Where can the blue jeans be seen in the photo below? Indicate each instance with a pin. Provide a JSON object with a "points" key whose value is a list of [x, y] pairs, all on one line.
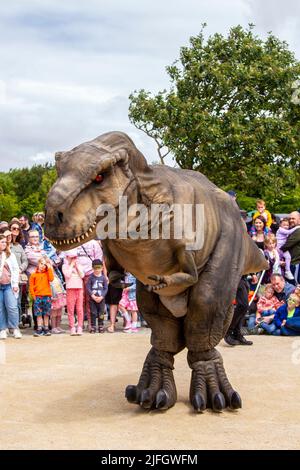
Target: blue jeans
{"points": [[9, 312], [271, 328], [252, 318]]}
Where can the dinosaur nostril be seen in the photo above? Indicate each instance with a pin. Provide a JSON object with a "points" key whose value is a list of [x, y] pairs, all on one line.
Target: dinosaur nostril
{"points": [[60, 217]]}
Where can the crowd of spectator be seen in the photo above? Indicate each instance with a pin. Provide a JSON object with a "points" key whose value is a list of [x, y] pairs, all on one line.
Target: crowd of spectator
{"points": [[270, 300], [39, 284]]}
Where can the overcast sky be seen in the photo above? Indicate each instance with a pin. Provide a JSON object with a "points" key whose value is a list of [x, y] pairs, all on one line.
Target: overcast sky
{"points": [[68, 66]]}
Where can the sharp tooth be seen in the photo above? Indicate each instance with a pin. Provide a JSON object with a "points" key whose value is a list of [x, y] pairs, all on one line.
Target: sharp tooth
{"points": [[68, 242], [78, 239], [90, 230], [86, 234], [83, 237]]}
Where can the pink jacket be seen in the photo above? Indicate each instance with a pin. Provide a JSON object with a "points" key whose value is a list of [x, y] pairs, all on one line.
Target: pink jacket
{"points": [[94, 250], [72, 275]]}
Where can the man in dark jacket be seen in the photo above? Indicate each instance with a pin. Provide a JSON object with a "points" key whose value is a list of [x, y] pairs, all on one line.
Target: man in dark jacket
{"points": [[234, 335]]}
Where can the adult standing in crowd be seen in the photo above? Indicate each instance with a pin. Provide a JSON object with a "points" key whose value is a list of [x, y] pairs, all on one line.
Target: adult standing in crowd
{"points": [[26, 227], [34, 251], [37, 224], [3, 224], [14, 240], [9, 289], [258, 231], [234, 335], [293, 244]]}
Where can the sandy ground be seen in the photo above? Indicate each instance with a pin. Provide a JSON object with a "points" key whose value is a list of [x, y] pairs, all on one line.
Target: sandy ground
{"points": [[64, 392]]}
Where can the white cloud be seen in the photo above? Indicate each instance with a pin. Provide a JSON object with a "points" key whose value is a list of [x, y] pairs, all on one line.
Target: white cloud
{"points": [[42, 157]]}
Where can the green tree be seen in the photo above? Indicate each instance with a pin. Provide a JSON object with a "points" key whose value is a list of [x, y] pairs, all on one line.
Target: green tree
{"points": [[31, 204], [48, 180], [9, 207], [6, 184], [229, 112], [28, 180], [24, 190]]}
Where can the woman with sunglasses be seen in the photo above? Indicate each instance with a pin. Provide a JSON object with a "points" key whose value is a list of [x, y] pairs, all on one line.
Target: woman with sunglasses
{"points": [[9, 289], [15, 240]]}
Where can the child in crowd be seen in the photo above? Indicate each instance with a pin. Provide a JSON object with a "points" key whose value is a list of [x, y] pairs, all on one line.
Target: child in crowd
{"points": [[74, 275], [282, 235], [272, 255], [58, 302], [97, 288], [128, 305], [266, 308], [288, 315], [40, 290], [262, 211]]}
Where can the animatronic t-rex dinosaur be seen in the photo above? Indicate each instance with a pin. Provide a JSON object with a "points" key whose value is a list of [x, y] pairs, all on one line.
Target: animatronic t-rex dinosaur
{"points": [[185, 295]]}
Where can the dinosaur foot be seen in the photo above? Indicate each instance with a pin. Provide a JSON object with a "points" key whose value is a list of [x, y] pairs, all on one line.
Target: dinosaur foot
{"points": [[156, 387], [210, 387]]}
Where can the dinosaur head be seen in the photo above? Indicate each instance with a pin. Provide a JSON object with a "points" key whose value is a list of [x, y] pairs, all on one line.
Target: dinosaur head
{"points": [[93, 173]]}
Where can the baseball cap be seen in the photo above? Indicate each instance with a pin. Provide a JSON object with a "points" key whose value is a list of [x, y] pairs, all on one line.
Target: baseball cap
{"points": [[97, 263]]}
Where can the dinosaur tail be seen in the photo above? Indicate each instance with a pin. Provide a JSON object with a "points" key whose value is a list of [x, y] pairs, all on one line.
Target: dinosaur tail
{"points": [[254, 257]]}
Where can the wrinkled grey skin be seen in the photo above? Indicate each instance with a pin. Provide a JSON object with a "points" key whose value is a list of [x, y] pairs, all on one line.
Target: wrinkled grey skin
{"points": [[185, 296]]}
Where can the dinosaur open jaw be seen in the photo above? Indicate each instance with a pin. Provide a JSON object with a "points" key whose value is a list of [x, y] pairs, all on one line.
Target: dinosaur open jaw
{"points": [[77, 240]]}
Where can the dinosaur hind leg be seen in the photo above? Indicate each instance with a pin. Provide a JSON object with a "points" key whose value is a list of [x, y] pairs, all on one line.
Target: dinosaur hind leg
{"points": [[207, 320], [156, 387]]}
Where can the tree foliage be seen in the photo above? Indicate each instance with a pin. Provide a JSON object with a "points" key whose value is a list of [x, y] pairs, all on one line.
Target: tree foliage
{"points": [[229, 112], [24, 190]]}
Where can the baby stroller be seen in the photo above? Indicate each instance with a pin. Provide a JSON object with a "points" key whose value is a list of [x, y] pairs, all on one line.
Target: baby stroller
{"points": [[26, 320]]}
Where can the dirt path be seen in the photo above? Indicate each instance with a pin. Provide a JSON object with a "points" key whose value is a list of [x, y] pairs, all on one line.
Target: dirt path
{"points": [[65, 392]]}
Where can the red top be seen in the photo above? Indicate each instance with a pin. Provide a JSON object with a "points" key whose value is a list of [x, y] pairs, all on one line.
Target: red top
{"points": [[39, 283]]}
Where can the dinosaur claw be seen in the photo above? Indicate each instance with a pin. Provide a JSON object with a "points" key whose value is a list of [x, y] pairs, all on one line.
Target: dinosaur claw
{"points": [[146, 399], [161, 400], [218, 402], [235, 401], [198, 403], [131, 393]]}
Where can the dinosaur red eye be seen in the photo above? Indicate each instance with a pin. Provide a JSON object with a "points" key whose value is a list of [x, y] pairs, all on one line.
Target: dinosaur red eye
{"points": [[99, 178]]}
